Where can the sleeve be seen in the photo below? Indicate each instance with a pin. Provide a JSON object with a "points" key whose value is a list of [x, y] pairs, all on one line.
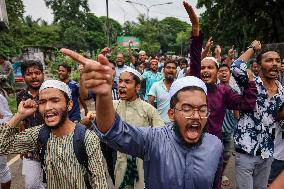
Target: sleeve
{"points": [[126, 138], [195, 49], [4, 110], [238, 69], [156, 120], [244, 102], [12, 142], [145, 75], [153, 90], [218, 175], [95, 161]]}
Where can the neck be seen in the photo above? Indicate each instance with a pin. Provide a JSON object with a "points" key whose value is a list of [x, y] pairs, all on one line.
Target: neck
{"points": [[65, 129], [34, 92], [65, 80], [268, 83], [132, 99], [168, 81], [225, 83], [154, 71]]}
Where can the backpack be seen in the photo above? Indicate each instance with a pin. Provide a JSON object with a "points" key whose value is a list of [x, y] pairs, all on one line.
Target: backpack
{"points": [[78, 145]]}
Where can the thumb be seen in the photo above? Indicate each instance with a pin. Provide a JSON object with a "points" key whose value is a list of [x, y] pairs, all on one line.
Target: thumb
{"points": [[103, 60]]}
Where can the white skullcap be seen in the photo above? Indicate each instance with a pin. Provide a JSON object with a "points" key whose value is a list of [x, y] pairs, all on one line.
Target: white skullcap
{"points": [[57, 85], [135, 72], [213, 59], [187, 82], [141, 52]]}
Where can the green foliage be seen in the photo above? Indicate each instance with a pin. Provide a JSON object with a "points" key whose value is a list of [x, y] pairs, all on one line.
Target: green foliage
{"points": [[240, 22], [12, 104]]}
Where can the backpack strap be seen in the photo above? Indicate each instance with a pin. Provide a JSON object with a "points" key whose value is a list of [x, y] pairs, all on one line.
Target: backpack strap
{"points": [[42, 140], [80, 150]]}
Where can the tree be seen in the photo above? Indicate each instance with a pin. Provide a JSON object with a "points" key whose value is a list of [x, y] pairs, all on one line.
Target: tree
{"points": [[115, 29], [240, 22]]}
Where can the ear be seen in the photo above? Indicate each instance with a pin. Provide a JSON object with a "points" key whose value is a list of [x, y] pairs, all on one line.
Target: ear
{"points": [[70, 105], [138, 87], [171, 114]]}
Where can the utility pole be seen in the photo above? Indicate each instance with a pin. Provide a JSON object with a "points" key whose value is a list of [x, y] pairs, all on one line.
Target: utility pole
{"points": [[107, 25]]}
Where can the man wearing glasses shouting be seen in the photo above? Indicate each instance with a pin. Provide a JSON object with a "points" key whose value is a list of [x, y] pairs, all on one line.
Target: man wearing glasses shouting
{"points": [[179, 155]]}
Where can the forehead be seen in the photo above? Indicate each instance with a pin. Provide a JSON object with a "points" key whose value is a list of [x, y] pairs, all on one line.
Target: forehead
{"points": [[119, 56], [271, 54], [224, 69], [208, 63], [62, 68], [33, 69], [171, 65], [51, 93], [126, 76], [193, 97], [154, 62]]}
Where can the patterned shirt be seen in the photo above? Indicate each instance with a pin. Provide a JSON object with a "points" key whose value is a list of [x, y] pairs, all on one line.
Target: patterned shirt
{"points": [[61, 165], [35, 119], [254, 130]]}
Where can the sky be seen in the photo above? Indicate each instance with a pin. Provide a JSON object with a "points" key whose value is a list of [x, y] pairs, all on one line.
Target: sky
{"points": [[118, 9]]}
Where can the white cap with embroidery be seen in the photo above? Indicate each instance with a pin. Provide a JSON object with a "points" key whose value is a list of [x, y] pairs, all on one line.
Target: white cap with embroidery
{"points": [[57, 85], [187, 82], [135, 72]]}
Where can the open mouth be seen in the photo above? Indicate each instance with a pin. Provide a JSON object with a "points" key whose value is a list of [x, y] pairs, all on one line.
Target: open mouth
{"points": [[35, 83], [50, 117], [122, 93], [274, 71], [193, 131], [206, 76]]}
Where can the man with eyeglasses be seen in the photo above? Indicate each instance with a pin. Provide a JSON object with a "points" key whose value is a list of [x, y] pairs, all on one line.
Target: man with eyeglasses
{"points": [[179, 155]]}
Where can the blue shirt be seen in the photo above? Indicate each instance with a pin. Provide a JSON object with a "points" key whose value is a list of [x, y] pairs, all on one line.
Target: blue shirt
{"points": [[162, 96], [168, 163], [150, 78], [74, 114], [254, 129]]}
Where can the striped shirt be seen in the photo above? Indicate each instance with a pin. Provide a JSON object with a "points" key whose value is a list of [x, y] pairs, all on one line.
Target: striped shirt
{"points": [[61, 165]]}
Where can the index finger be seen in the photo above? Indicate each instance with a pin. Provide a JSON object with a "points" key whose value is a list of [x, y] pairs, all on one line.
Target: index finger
{"points": [[233, 46], [75, 56]]}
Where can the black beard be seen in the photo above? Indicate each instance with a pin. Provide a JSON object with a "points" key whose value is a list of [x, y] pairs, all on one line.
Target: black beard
{"points": [[120, 66], [62, 120], [199, 142], [34, 88]]}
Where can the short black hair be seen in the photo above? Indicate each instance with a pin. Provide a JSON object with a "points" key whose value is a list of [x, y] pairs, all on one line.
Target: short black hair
{"points": [[174, 99], [66, 66], [183, 61], [31, 63], [170, 61], [263, 51], [223, 65]]}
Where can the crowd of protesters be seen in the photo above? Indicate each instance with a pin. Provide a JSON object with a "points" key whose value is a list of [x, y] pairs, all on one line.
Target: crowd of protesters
{"points": [[159, 122]]}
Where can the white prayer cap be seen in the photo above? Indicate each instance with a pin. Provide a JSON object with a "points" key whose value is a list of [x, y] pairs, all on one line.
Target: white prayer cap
{"points": [[213, 59], [135, 72], [187, 82], [57, 85], [141, 52]]}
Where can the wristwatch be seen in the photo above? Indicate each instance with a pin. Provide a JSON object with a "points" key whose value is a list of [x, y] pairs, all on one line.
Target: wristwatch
{"points": [[253, 48]]}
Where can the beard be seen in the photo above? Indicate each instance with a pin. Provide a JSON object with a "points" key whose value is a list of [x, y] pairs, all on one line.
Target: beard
{"points": [[188, 145], [120, 65], [63, 117]]}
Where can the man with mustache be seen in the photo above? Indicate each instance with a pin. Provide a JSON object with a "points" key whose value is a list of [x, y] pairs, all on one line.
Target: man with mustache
{"points": [[179, 155], [151, 76], [120, 66], [61, 165], [220, 97], [160, 90], [254, 135], [33, 75]]}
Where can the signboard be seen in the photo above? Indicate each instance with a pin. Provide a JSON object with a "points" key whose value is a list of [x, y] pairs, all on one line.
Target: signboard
{"points": [[3, 14], [123, 41]]}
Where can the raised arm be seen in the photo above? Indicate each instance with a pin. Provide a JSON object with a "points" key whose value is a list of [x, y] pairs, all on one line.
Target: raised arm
{"points": [[207, 48], [195, 42], [13, 142], [98, 77]]}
